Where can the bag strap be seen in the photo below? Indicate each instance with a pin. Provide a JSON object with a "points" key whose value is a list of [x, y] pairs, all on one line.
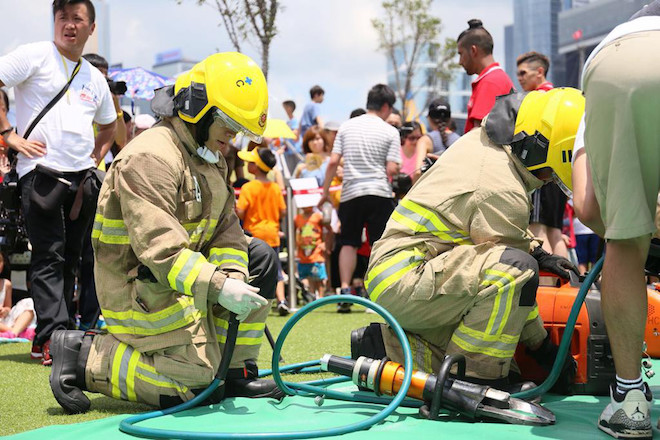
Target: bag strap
{"points": [[52, 101]]}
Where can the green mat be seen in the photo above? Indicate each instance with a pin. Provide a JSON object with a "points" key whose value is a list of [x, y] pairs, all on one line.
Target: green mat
{"points": [[576, 418]]}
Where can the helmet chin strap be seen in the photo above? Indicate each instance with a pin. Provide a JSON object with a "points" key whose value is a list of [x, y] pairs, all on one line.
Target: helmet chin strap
{"points": [[202, 135]]}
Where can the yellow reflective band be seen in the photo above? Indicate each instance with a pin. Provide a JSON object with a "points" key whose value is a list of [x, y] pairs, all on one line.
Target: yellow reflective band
{"points": [[130, 377], [488, 351], [417, 213], [116, 366], [192, 276], [243, 326], [110, 231], [503, 338], [162, 381], [534, 313], [229, 256], [505, 284], [171, 318], [241, 341], [385, 273], [249, 333], [185, 270]]}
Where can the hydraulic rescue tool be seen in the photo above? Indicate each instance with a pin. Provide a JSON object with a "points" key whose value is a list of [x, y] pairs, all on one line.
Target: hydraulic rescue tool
{"points": [[590, 345], [383, 376]]}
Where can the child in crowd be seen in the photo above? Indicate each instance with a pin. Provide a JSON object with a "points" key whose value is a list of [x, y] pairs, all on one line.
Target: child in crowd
{"points": [[311, 250], [260, 206], [18, 321]]}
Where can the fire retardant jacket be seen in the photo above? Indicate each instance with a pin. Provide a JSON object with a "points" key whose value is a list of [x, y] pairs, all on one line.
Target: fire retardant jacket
{"points": [[165, 223]]}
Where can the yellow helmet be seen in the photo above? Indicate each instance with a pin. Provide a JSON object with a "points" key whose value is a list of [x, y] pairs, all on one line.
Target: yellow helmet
{"points": [[544, 133], [230, 85]]}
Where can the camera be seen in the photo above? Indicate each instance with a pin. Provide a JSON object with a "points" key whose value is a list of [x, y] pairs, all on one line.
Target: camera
{"points": [[401, 184], [13, 235], [117, 87], [426, 164]]}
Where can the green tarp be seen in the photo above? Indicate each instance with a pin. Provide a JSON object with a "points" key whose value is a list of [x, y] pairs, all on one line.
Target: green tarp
{"points": [[576, 419]]}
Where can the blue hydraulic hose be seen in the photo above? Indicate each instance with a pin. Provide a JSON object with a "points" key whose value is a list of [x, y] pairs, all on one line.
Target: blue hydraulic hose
{"points": [[565, 344], [128, 425]]}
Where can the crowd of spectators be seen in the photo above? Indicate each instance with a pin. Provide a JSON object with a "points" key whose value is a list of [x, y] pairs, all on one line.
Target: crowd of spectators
{"points": [[356, 165]]}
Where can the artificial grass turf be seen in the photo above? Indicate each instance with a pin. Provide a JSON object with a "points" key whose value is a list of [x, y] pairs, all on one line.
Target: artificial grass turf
{"points": [[29, 404]]}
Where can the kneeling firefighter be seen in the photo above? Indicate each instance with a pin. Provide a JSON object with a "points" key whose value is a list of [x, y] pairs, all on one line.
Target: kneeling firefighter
{"points": [[456, 265], [171, 259]]}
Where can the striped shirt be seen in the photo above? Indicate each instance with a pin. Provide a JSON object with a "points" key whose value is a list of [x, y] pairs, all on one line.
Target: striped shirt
{"points": [[367, 143]]}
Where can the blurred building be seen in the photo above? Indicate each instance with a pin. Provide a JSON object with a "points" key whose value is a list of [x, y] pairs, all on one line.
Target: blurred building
{"points": [[172, 63], [534, 29], [581, 29], [565, 30]]}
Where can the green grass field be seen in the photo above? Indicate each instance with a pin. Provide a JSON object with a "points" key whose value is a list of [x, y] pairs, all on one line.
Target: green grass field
{"points": [[29, 404]]}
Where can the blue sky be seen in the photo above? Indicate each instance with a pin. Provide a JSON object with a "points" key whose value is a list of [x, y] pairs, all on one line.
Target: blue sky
{"points": [[330, 43]]}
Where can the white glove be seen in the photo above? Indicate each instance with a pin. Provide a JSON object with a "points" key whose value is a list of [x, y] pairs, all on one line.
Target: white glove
{"points": [[240, 298]]}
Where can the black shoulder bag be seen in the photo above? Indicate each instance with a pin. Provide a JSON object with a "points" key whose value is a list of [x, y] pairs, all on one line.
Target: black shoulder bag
{"points": [[49, 186]]}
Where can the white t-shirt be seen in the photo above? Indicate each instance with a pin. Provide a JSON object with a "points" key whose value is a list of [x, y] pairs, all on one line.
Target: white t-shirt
{"points": [[367, 143], [37, 71]]}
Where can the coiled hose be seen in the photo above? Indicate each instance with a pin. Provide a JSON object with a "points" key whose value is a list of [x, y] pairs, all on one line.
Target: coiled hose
{"points": [[128, 425]]}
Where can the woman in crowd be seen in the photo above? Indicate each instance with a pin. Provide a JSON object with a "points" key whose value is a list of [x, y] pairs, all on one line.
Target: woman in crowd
{"points": [[317, 155], [411, 132]]}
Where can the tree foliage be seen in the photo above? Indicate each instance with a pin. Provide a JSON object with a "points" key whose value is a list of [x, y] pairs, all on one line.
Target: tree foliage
{"points": [[406, 33], [247, 21]]}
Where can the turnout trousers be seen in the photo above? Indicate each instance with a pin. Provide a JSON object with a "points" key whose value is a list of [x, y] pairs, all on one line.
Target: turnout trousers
{"points": [[476, 300], [179, 369]]}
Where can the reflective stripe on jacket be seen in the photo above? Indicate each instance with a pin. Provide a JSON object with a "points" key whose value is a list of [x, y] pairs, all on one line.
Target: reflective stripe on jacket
{"points": [[165, 222]]}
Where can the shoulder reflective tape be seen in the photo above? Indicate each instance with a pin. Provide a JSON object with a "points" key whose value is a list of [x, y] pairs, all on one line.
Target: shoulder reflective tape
{"points": [[390, 270], [417, 218], [109, 231], [228, 256], [132, 322], [185, 270]]}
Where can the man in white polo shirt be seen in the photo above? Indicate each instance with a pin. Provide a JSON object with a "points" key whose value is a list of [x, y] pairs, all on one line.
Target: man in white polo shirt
{"points": [[371, 149], [64, 142]]}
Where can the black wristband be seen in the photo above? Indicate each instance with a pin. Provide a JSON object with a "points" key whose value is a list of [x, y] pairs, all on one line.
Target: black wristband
{"points": [[4, 132]]}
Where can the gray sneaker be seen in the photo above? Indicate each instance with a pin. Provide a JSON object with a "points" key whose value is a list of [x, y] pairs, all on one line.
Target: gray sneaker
{"points": [[628, 415]]}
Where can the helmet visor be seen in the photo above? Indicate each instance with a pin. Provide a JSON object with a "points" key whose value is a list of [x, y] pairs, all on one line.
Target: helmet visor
{"points": [[565, 189], [234, 126]]}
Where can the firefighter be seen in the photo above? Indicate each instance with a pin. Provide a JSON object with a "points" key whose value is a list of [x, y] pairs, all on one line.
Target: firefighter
{"points": [[456, 265], [171, 259]]}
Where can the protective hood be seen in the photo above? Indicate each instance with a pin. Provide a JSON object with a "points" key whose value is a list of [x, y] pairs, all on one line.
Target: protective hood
{"points": [[501, 122], [163, 102]]}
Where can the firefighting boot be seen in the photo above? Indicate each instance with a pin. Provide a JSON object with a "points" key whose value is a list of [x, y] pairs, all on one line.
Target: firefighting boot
{"points": [[243, 382], [70, 349], [368, 341]]}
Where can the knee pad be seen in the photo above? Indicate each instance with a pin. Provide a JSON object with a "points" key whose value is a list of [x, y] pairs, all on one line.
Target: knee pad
{"points": [[523, 261]]}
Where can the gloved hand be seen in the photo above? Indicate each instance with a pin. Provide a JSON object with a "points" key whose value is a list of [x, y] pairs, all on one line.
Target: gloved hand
{"points": [[240, 298], [545, 356], [554, 263]]}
